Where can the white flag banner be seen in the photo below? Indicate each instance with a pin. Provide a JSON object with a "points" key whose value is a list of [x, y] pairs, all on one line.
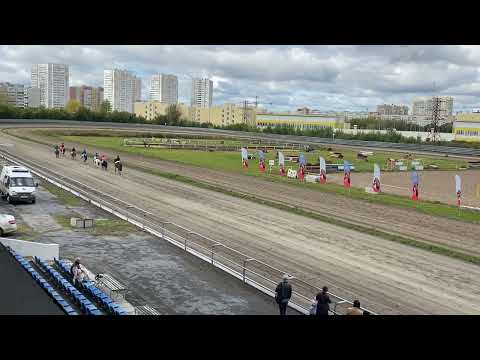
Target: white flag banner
{"points": [[376, 172], [323, 165], [281, 159], [244, 154], [458, 184]]}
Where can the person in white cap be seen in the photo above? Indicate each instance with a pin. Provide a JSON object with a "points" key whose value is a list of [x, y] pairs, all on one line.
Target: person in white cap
{"points": [[283, 294]]}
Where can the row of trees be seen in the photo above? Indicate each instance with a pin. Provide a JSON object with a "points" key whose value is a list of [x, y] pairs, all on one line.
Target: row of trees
{"points": [[173, 117]]}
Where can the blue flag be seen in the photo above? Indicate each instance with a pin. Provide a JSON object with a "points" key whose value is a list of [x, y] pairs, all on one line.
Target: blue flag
{"points": [[346, 166], [414, 178], [301, 159], [261, 155]]}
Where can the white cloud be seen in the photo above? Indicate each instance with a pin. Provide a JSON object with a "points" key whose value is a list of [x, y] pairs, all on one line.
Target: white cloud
{"points": [[321, 77]]}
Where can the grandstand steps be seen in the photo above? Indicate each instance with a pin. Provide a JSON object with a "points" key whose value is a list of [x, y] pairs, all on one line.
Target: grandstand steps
{"points": [[54, 285]]}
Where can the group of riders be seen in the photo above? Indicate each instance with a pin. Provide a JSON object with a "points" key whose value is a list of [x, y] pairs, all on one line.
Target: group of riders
{"points": [[97, 159]]}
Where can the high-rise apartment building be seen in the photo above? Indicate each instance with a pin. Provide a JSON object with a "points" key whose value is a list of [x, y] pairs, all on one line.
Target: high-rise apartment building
{"points": [[386, 109], [202, 92], [164, 88], [88, 96], [424, 107], [52, 80], [121, 89]]}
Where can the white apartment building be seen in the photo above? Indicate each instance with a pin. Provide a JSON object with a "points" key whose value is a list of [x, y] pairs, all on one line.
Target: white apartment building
{"points": [[164, 88], [424, 107], [121, 88], [202, 92], [53, 82]]}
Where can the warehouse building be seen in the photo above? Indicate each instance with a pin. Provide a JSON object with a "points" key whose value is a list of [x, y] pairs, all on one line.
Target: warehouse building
{"points": [[466, 127], [302, 122]]}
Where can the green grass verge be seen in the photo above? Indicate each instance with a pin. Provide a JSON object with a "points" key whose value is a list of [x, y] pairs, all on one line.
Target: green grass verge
{"points": [[102, 226], [62, 196], [229, 161]]}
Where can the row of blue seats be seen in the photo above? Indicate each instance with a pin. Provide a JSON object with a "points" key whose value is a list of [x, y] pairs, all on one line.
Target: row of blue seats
{"points": [[44, 284], [89, 287], [86, 305]]}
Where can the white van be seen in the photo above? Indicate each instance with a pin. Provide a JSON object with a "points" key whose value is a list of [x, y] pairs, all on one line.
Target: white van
{"points": [[17, 184]]}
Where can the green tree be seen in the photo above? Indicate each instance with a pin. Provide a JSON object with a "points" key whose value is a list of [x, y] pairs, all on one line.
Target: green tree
{"points": [[105, 107], [72, 106], [173, 114]]}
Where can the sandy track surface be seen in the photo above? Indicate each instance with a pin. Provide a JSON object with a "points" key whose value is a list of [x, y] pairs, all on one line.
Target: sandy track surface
{"points": [[434, 185], [454, 234], [389, 278]]}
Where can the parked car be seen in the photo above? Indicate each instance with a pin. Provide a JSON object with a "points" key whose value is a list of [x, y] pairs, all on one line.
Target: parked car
{"points": [[7, 224]]}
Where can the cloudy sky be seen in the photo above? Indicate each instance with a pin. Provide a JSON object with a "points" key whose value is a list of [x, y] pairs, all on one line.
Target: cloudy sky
{"points": [[326, 78]]}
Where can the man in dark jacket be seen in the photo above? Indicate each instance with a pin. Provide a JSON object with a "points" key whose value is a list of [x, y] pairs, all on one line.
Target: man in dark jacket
{"points": [[323, 301], [283, 294]]}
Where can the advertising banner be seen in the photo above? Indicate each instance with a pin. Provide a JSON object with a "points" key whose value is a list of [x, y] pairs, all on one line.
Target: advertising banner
{"points": [[244, 157], [376, 178], [458, 188], [323, 171], [346, 172], [415, 183]]}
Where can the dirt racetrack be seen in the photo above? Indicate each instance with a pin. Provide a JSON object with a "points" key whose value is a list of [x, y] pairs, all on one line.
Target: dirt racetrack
{"points": [[457, 235], [387, 277], [434, 185]]}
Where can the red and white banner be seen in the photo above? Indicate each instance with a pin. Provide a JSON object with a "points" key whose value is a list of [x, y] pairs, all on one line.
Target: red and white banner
{"points": [[458, 188], [323, 171], [376, 178], [244, 157]]}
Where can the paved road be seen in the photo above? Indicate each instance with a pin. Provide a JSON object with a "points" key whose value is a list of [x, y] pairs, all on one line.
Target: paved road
{"points": [[388, 277]]}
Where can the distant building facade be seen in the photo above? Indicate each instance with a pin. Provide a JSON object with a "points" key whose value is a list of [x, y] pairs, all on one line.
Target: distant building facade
{"points": [[88, 96], [164, 88], [13, 94], [302, 122], [202, 93], [53, 82], [151, 109], [386, 109], [121, 88], [424, 107]]}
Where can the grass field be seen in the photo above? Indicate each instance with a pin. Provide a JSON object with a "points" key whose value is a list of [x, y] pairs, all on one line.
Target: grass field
{"points": [[230, 161]]}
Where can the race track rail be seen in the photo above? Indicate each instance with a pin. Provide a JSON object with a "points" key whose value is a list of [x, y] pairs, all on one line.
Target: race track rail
{"points": [[242, 266]]}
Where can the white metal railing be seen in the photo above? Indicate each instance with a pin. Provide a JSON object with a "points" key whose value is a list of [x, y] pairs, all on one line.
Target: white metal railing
{"points": [[302, 296]]}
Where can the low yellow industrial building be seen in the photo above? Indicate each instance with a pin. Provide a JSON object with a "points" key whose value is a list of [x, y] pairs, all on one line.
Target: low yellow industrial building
{"points": [[466, 127], [299, 121], [227, 114], [151, 109]]}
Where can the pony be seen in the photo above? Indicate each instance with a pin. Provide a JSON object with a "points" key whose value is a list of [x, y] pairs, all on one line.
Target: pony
{"points": [[104, 165]]}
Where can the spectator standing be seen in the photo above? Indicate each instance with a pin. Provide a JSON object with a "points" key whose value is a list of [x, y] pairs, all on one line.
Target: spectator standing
{"points": [[323, 301], [283, 293], [355, 309]]}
